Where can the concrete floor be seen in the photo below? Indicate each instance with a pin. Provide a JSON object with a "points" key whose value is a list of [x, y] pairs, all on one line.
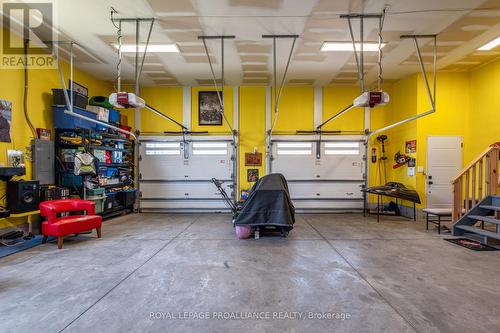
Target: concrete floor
{"points": [[392, 276]]}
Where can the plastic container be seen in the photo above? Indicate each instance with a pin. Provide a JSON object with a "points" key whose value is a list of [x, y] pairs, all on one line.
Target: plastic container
{"points": [[96, 191], [100, 101], [68, 179], [111, 201], [243, 232], [128, 198], [114, 116], [99, 202], [58, 98], [64, 120]]}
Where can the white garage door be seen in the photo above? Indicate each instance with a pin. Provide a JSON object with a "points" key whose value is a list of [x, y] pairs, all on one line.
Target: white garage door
{"points": [[330, 183], [175, 175]]}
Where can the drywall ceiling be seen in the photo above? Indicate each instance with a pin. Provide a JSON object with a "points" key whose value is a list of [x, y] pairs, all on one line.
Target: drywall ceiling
{"points": [[462, 25]]}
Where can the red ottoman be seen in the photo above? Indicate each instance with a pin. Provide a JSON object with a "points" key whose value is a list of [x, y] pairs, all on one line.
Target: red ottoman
{"points": [[66, 225]]}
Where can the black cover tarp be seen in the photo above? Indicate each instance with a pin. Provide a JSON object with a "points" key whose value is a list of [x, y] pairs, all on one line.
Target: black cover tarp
{"points": [[268, 204], [395, 190]]}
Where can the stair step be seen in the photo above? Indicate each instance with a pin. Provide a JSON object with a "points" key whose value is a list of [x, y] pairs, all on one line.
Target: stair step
{"points": [[478, 231], [488, 219], [496, 208]]}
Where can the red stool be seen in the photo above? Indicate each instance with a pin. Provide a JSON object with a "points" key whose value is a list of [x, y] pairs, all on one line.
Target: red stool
{"points": [[61, 226]]}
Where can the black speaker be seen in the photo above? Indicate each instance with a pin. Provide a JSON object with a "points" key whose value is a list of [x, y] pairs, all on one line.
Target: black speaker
{"points": [[23, 196]]}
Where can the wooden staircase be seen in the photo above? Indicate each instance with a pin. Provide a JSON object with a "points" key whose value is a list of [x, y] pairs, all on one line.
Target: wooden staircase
{"points": [[476, 197], [486, 212]]}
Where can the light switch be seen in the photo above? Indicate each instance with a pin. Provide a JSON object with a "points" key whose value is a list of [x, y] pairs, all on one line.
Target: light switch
{"points": [[420, 169]]}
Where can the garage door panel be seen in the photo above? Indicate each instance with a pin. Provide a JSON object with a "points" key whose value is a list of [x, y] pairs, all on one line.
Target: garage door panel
{"points": [[346, 167], [337, 190], [327, 205], [176, 175], [179, 190], [151, 166], [184, 205], [206, 168], [331, 182]]}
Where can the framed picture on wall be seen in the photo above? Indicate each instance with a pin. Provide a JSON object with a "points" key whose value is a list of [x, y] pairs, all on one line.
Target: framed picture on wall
{"points": [[79, 88], [252, 175], [209, 109], [5, 120]]}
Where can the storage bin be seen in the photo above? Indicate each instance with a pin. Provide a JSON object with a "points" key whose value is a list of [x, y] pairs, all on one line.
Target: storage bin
{"points": [[64, 120], [58, 99], [128, 198], [111, 201], [100, 101], [111, 171], [96, 191], [99, 202], [69, 179], [114, 116]]}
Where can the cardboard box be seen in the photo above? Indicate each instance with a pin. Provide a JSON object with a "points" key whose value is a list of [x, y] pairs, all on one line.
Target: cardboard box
{"points": [[123, 120], [102, 113]]}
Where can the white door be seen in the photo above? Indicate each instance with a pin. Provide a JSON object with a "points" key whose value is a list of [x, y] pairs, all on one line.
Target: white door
{"points": [[444, 161], [175, 174], [331, 183]]}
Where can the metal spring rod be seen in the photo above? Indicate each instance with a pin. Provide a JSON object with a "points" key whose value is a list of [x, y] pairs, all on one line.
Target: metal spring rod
{"points": [[435, 68], [71, 64], [422, 68], [362, 51], [119, 65], [335, 116], [278, 94], [286, 69], [274, 78], [222, 70], [354, 48], [214, 77], [424, 73], [136, 63], [161, 114], [146, 48]]}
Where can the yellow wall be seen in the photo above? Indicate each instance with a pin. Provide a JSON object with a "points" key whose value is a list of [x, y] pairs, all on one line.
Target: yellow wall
{"points": [[252, 129], [167, 100], [335, 99], [483, 124], [296, 109], [450, 118]]}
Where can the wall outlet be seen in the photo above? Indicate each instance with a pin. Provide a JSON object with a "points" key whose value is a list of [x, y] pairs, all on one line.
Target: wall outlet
{"points": [[420, 169]]}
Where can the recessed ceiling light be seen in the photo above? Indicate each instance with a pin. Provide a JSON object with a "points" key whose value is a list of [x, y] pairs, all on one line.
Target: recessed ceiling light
{"points": [[152, 48], [491, 45], [347, 46]]}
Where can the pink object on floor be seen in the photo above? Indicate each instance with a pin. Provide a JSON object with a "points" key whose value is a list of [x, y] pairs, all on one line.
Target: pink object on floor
{"points": [[243, 232]]}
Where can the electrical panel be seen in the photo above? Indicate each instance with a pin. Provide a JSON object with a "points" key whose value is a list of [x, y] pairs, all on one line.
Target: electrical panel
{"points": [[43, 161]]}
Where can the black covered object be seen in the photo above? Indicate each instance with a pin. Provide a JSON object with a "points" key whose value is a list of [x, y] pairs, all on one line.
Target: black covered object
{"points": [[395, 190], [268, 204]]}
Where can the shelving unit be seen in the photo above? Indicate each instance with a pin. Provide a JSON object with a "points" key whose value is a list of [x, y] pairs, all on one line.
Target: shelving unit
{"points": [[120, 196]]}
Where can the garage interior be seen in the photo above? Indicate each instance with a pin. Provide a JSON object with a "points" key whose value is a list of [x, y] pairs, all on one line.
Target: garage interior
{"points": [[248, 165]]}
